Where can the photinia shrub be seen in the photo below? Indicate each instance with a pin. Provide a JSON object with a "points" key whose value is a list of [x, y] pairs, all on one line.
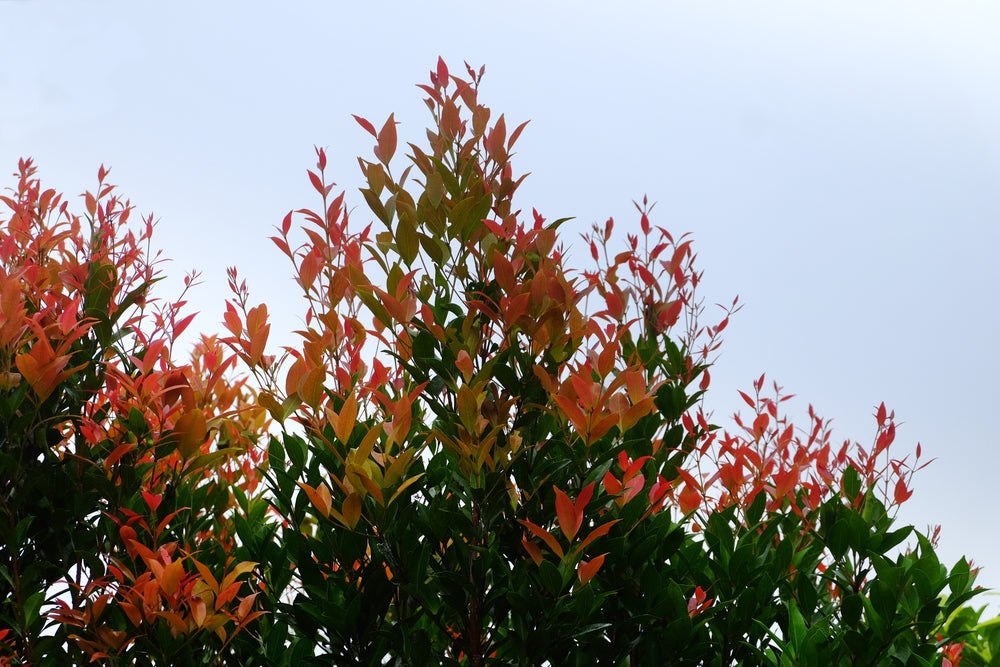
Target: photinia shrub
{"points": [[117, 464], [487, 454], [476, 452]]}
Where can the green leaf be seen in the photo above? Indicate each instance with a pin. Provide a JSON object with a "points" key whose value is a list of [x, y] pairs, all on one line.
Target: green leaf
{"points": [[375, 204], [550, 577], [958, 578], [296, 448], [851, 483], [31, 608]]}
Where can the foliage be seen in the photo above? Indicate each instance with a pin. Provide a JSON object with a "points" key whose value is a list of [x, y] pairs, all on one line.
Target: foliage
{"points": [[980, 639], [116, 463], [477, 451]]}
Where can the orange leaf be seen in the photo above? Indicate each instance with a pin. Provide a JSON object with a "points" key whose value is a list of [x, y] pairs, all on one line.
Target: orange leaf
{"points": [[311, 387], [343, 426], [190, 432], [351, 510], [545, 536], [170, 576], [386, 141], [571, 514], [319, 497], [586, 570], [464, 363], [246, 604], [600, 531], [689, 498], [199, 611], [42, 369], [533, 550], [206, 575], [228, 593], [238, 570], [119, 451], [370, 486]]}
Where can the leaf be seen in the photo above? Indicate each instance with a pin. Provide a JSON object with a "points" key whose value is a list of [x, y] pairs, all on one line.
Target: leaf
{"points": [[901, 493], [31, 608], [434, 189], [346, 419], [544, 535], [206, 576], [442, 72], [468, 408], [319, 497], [760, 424], [533, 550], [267, 401], [600, 531], [463, 362], [402, 487], [851, 483], [386, 141], [611, 484], [238, 571], [351, 510], [587, 569], [169, 576], [566, 512], [152, 500], [317, 182], [365, 124], [190, 432]]}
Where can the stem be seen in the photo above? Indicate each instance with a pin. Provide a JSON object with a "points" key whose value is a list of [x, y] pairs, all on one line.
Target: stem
{"points": [[474, 621]]}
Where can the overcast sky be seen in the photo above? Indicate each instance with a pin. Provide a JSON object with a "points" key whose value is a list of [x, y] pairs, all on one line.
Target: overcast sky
{"points": [[837, 163]]}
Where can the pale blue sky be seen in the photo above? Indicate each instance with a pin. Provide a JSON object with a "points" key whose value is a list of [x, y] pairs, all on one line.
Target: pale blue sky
{"points": [[837, 163]]}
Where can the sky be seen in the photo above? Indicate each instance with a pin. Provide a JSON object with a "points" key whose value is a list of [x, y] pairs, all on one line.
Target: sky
{"points": [[838, 165]]}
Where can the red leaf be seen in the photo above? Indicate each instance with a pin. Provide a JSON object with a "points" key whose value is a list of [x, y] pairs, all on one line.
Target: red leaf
{"points": [[760, 424], [317, 182], [442, 72], [690, 496], [901, 493], [611, 484], [153, 500], [182, 324], [367, 125], [706, 380], [515, 134], [747, 399]]}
